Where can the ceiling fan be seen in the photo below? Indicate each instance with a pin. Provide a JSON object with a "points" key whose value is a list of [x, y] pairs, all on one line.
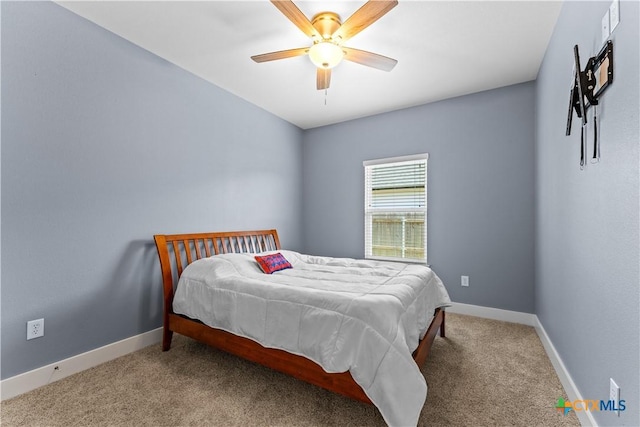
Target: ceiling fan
{"points": [[328, 34]]}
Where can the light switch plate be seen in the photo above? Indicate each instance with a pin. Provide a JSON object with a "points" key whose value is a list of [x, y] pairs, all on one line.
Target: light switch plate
{"points": [[614, 15], [605, 26]]}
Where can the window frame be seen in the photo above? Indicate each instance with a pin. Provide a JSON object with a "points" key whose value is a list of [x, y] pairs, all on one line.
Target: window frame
{"points": [[368, 211]]}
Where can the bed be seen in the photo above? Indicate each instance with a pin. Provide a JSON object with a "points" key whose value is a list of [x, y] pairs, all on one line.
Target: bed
{"points": [[178, 252]]}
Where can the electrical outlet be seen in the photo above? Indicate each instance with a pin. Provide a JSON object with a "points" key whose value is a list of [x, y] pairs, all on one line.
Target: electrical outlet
{"points": [[614, 394], [35, 329], [464, 280]]}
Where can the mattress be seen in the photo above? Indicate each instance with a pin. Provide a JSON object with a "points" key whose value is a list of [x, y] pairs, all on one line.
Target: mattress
{"points": [[345, 314]]}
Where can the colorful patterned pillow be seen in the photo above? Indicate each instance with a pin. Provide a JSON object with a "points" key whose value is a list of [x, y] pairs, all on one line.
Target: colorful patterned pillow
{"points": [[272, 263]]}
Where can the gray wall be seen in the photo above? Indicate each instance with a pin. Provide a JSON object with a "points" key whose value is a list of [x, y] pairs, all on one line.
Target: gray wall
{"points": [[480, 189], [104, 145], [587, 235]]}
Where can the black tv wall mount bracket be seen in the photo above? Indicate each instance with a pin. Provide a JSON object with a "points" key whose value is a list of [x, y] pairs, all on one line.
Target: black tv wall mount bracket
{"points": [[587, 87]]}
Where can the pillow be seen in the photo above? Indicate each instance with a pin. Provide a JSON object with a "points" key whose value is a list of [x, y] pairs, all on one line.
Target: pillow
{"points": [[272, 263]]}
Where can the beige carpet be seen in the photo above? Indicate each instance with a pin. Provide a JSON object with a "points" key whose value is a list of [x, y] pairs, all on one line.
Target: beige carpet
{"points": [[485, 373]]}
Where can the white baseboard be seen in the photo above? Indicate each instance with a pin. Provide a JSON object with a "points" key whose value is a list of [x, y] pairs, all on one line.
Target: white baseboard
{"points": [[39, 377], [493, 313], [585, 417]]}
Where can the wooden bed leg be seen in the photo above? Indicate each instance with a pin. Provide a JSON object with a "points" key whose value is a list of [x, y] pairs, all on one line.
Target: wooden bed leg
{"points": [[442, 324], [166, 339]]}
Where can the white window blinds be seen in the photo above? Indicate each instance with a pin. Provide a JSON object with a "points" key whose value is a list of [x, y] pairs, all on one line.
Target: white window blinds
{"points": [[396, 208]]}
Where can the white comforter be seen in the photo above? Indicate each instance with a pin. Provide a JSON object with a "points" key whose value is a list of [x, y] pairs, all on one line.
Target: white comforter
{"points": [[345, 314]]}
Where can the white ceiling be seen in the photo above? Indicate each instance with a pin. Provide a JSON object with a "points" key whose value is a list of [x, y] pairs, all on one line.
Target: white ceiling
{"points": [[444, 49]]}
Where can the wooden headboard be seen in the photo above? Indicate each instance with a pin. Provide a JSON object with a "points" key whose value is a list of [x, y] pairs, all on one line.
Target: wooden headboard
{"points": [[176, 251]]}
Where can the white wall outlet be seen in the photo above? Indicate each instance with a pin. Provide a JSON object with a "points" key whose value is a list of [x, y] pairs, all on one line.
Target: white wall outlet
{"points": [[614, 15], [35, 329], [464, 280], [614, 394]]}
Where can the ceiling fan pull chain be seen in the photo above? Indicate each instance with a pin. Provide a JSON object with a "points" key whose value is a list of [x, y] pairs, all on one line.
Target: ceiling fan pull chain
{"points": [[325, 96]]}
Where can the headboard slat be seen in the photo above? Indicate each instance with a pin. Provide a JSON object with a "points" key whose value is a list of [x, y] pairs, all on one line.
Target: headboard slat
{"points": [[197, 243], [187, 251], [176, 254]]}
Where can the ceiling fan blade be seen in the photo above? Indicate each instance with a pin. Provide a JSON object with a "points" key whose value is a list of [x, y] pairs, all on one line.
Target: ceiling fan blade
{"points": [[369, 59], [323, 78], [295, 15], [369, 13], [281, 54]]}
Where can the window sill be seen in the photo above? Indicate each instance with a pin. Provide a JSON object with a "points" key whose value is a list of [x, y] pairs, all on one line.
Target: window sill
{"points": [[401, 260]]}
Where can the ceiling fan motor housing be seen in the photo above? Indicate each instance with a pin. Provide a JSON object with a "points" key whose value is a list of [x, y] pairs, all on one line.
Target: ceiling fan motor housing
{"points": [[326, 23]]}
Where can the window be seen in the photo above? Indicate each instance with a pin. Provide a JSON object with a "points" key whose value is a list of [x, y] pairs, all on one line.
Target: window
{"points": [[395, 206]]}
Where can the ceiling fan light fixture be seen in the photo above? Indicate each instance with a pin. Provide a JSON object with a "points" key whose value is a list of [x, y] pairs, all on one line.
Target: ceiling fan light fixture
{"points": [[326, 54]]}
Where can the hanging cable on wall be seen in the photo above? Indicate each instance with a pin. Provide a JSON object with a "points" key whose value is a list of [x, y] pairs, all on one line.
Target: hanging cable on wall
{"points": [[596, 144]]}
